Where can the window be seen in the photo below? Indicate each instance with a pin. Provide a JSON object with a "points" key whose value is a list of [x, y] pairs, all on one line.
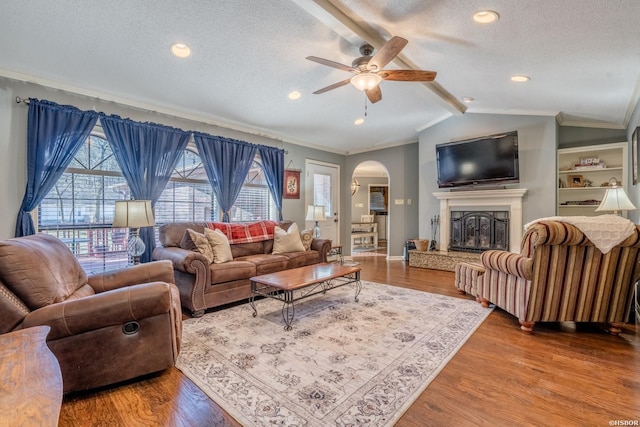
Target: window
{"points": [[254, 202], [322, 192], [188, 195], [79, 208]]}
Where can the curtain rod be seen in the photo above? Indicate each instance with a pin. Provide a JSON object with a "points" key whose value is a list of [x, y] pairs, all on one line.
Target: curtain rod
{"points": [[26, 102]]}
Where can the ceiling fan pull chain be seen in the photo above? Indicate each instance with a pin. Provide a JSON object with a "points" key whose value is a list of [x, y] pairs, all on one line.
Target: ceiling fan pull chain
{"points": [[365, 105]]}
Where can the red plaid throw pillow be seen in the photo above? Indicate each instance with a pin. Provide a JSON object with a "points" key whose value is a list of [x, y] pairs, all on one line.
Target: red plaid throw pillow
{"points": [[245, 233]]}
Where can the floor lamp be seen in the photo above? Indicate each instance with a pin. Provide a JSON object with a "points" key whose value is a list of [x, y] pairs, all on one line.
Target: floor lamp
{"points": [[134, 214], [315, 213]]}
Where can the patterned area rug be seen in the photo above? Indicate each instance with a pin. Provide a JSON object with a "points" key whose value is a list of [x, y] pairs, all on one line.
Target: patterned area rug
{"points": [[343, 363]]}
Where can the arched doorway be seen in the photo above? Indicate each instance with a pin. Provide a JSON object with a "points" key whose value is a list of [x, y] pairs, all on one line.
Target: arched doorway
{"points": [[370, 203]]}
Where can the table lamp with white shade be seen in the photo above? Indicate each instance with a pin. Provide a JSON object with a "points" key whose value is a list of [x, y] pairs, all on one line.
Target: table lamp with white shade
{"points": [[315, 213], [615, 199], [134, 214]]}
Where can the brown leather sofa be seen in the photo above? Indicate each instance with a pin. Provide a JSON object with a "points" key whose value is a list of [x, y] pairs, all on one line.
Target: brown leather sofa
{"points": [[203, 285], [105, 328]]}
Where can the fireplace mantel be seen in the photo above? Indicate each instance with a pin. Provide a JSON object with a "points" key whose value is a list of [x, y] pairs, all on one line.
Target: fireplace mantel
{"points": [[510, 199]]}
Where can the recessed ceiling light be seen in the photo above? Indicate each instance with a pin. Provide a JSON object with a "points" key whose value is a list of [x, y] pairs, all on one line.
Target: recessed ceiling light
{"points": [[486, 16], [180, 50], [358, 121], [294, 95], [467, 99], [520, 78]]}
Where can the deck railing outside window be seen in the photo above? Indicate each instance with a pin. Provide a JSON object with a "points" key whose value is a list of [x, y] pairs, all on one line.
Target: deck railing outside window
{"points": [[98, 248]]}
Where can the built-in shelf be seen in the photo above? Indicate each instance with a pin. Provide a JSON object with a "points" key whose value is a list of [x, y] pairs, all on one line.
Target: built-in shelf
{"points": [[583, 188], [577, 172], [586, 183]]}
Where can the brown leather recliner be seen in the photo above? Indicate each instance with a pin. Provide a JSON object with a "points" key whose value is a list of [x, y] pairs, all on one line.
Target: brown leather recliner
{"points": [[105, 328]]}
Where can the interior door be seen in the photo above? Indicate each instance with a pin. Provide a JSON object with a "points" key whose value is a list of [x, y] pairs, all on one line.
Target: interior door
{"points": [[322, 188]]}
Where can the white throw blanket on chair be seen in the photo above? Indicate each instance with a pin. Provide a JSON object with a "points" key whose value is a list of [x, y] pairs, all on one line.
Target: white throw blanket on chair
{"points": [[604, 231]]}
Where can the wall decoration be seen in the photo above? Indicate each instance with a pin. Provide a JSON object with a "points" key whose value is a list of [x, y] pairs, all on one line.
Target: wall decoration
{"points": [[291, 184], [634, 155]]}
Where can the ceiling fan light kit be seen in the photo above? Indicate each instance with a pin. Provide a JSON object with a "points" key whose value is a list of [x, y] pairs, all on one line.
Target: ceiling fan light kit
{"points": [[366, 80], [368, 69]]}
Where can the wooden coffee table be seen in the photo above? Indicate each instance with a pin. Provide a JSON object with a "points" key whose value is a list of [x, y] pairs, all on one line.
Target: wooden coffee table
{"points": [[293, 285]]}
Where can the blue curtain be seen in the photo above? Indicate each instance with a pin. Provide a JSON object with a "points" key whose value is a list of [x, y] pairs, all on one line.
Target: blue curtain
{"points": [[55, 133], [147, 153], [227, 162], [273, 166]]}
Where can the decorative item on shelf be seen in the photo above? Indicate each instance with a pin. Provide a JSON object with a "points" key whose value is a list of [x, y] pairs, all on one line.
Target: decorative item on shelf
{"points": [[588, 183], [589, 161], [575, 181], [134, 214], [615, 199], [562, 183], [579, 167], [355, 186], [591, 202], [611, 182], [315, 213]]}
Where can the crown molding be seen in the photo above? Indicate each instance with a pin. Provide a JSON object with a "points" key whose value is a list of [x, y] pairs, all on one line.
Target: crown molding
{"points": [[152, 108]]}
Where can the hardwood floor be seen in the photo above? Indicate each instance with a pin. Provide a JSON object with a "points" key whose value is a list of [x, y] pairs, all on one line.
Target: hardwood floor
{"points": [[561, 375]]}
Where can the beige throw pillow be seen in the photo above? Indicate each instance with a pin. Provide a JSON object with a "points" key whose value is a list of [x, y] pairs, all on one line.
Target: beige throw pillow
{"points": [[307, 237], [198, 242], [287, 241], [220, 245]]}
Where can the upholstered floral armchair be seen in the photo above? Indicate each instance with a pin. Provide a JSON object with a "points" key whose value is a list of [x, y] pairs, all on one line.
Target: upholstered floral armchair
{"points": [[561, 274]]}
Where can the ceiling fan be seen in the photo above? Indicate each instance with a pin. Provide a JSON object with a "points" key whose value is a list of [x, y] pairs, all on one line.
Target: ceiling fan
{"points": [[368, 69]]}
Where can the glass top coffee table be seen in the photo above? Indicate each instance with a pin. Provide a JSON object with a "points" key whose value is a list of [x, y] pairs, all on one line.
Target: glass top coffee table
{"points": [[295, 284]]}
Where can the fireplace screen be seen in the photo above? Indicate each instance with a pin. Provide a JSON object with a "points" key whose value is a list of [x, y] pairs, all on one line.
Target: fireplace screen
{"points": [[479, 231]]}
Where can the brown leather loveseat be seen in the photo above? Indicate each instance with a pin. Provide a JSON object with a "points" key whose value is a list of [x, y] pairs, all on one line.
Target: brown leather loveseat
{"points": [[204, 285], [105, 328]]}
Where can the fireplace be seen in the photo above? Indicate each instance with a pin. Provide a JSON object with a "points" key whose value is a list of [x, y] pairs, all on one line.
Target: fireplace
{"points": [[509, 200], [476, 231]]}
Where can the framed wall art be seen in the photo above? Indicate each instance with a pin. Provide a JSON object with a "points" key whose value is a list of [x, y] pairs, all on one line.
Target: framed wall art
{"points": [[634, 155], [291, 184]]}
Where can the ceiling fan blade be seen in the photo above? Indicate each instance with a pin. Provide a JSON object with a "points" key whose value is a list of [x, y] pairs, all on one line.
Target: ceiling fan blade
{"points": [[329, 63], [408, 75], [374, 94], [331, 87], [387, 52]]}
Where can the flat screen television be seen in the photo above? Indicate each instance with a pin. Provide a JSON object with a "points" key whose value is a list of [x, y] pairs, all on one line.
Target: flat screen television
{"points": [[489, 160]]}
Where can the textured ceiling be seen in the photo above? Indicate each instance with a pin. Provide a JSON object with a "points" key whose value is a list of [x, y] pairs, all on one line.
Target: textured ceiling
{"points": [[582, 56]]}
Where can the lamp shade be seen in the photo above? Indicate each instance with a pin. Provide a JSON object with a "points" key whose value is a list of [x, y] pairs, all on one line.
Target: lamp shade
{"points": [[133, 214], [315, 213], [615, 199]]}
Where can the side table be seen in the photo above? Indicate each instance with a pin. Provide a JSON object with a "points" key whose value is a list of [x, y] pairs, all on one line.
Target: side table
{"points": [[336, 251], [30, 379]]}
